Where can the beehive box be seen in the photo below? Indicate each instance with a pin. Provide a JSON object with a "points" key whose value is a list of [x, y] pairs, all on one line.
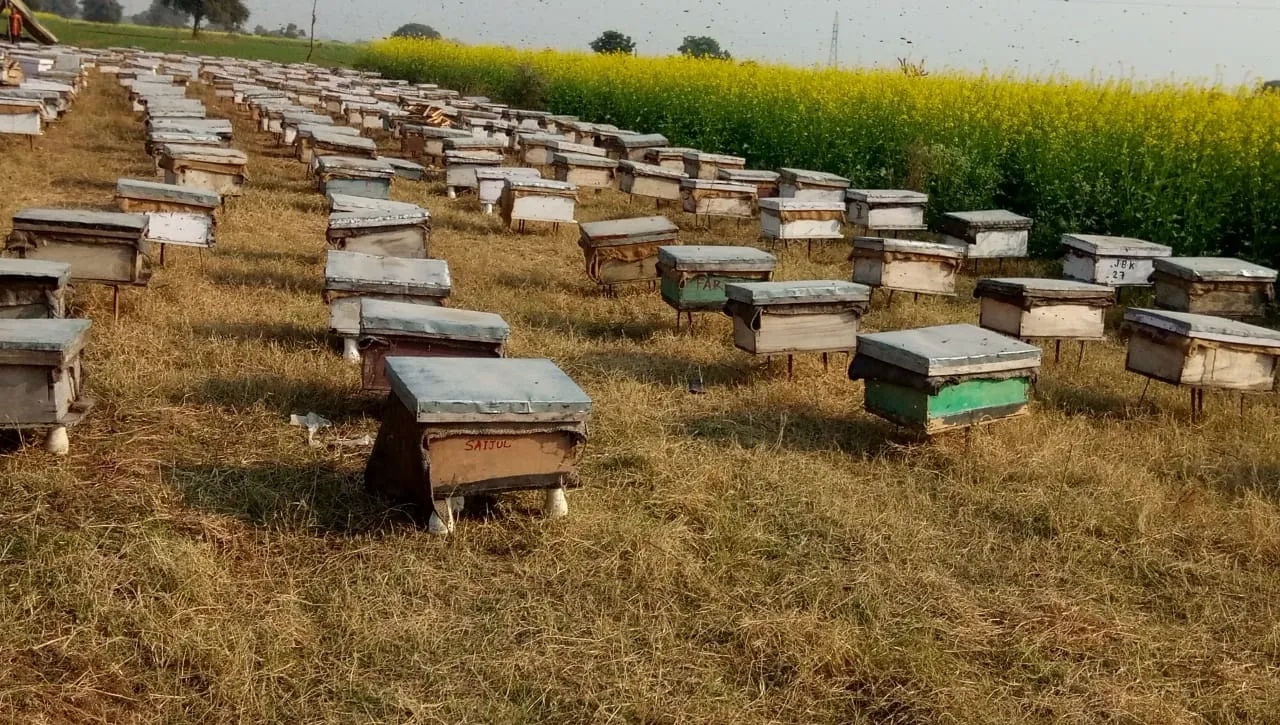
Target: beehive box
{"points": [[694, 277], [1213, 286], [537, 148], [291, 122], [561, 146], [401, 232], [936, 379], [41, 376], [474, 144], [220, 170], [1201, 351], [787, 219], [811, 185], [402, 329], [101, 247], [21, 116], [456, 428], [765, 182], [904, 265], [491, 181], [630, 146], [351, 277], [887, 210], [33, 289], [1113, 261], [584, 170], [179, 215], [354, 176], [1044, 308], [718, 198], [328, 141], [626, 250], [427, 142], [785, 318], [538, 200], [460, 168], [649, 180], [991, 234], [304, 148], [700, 165], [671, 157]]}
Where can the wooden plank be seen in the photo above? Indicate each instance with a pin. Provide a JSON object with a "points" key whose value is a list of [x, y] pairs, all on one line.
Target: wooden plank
{"points": [[467, 459]]}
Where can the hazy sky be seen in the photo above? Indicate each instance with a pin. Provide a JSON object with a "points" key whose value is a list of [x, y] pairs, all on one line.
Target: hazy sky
{"points": [[1213, 39]]}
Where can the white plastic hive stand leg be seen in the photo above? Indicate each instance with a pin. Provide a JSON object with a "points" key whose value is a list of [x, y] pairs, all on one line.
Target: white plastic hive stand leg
{"points": [[351, 350], [57, 442], [554, 504], [456, 504], [441, 522], [488, 209], [453, 193]]}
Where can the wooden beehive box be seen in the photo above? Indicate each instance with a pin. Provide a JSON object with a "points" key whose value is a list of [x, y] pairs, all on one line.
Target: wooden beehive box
{"points": [[991, 234], [33, 289], [671, 157], [491, 182], [1113, 261], [351, 277], [41, 376], [21, 116], [455, 428], [101, 247], [474, 144], [403, 329], [631, 146], [292, 121], [787, 219], [718, 198], [537, 148], [1044, 308], [694, 277], [329, 141], [766, 182], [904, 265], [626, 250], [431, 140], [460, 168], [811, 185], [937, 379], [887, 210], [354, 176], [701, 165], [179, 215], [584, 170], [219, 127], [400, 232], [538, 200], [1213, 286], [1201, 351], [649, 180], [562, 146], [222, 171], [784, 318]]}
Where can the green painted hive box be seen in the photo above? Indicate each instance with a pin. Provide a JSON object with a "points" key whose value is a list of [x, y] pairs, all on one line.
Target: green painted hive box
{"points": [[936, 379], [694, 277]]}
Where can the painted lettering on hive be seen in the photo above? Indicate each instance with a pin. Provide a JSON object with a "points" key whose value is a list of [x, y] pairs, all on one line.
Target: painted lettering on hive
{"points": [[481, 444]]}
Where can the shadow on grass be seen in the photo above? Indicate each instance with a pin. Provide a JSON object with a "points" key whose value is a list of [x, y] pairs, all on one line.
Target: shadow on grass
{"points": [[259, 278], [286, 396], [266, 255], [92, 186], [283, 333], [667, 369], [1054, 392], [602, 331], [799, 428], [542, 282]]}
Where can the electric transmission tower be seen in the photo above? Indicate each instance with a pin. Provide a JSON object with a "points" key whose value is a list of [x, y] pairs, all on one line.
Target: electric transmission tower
{"points": [[833, 59]]}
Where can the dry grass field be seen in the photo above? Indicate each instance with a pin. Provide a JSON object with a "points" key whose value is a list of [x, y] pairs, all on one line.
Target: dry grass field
{"points": [[765, 552]]}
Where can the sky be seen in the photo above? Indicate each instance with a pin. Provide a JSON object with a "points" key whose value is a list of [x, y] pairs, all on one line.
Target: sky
{"points": [[1231, 41]]}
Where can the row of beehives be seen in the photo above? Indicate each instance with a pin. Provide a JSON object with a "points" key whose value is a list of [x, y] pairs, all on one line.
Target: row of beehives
{"points": [[38, 86]]}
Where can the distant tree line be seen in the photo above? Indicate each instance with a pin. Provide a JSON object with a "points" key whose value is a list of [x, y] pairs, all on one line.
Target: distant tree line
{"points": [[693, 46]]}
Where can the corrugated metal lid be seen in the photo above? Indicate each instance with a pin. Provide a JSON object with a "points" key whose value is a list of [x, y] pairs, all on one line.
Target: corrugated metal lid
{"points": [[949, 350], [35, 269], [703, 257], [895, 197], [1060, 288], [1205, 327], [814, 177], [517, 182], [1107, 246], [446, 389], [507, 172], [84, 218], [623, 231], [990, 219], [218, 155], [355, 272], [1214, 269], [155, 191], [913, 246], [347, 202], [780, 205], [802, 292], [383, 317], [363, 218], [43, 335]]}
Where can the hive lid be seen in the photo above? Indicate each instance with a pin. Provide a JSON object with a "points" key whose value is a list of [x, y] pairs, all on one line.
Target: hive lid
{"points": [[911, 246], [668, 151], [596, 162], [542, 138], [62, 337], [895, 197], [636, 168], [444, 390], [329, 135], [783, 205], [497, 173], [436, 131], [383, 317], [13, 268], [83, 219], [355, 272], [347, 202], [309, 130], [718, 185], [548, 185], [205, 153], [189, 138], [803, 292], [821, 178], [628, 231], [1214, 269], [155, 191], [371, 167], [1205, 327], [713, 258], [471, 142], [988, 220], [748, 175], [710, 158], [472, 157], [298, 118], [378, 217], [404, 167], [1105, 246], [949, 350], [1061, 289], [220, 126], [569, 147]]}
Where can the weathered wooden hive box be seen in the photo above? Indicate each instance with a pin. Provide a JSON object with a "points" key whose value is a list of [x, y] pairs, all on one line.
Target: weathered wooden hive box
{"points": [[21, 116], [383, 232], [1201, 351], [584, 170], [783, 318], [427, 142], [558, 123], [694, 277], [474, 144], [718, 198], [455, 428], [351, 277], [700, 165], [220, 127], [811, 185], [887, 210], [787, 219], [292, 121], [766, 182], [157, 139], [626, 250], [906, 265], [102, 247], [631, 146], [222, 171], [402, 329], [532, 120], [584, 132], [538, 200], [936, 379], [562, 146], [536, 148], [180, 215], [500, 131], [354, 176], [1044, 308], [33, 289], [491, 182], [671, 157], [274, 116], [1213, 286], [1113, 261], [406, 170], [328, 141], [40, 373], [460, 168], [990, 234], [649, 180]]}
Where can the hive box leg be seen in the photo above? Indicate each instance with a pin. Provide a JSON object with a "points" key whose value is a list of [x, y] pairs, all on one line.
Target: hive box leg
{"points": [[57, 442], [554, 504]]}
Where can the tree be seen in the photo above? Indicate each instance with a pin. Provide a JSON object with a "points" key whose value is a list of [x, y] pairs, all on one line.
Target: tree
{"points": [[102, 11], [416, 30], [611, 41], [701, 46], [161, 16], [230, 14], [64, 8], [291, 31]]}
